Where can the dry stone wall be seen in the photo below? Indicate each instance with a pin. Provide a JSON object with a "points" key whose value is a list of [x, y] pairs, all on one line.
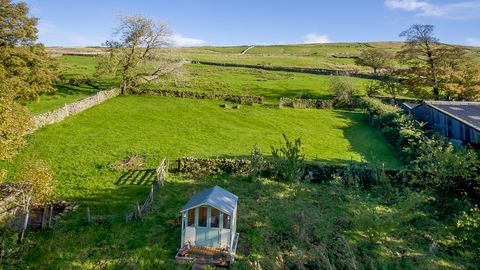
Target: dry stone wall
{"points": [[302, 103], [76, 107]]}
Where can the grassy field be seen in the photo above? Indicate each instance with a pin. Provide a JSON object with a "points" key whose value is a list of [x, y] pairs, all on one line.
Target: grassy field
{"points": [[71, 67], [243, 81], [339, 56], [328, 220], [270, 84], [82, 149]]}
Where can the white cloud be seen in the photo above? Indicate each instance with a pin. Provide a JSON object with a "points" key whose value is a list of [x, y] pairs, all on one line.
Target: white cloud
{"points": [[473, 41], [181, 41], [462, 10], [316, 38]]}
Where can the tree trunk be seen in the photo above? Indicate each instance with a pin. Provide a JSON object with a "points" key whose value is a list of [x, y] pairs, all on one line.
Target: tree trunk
{"points": [[374, 70]]}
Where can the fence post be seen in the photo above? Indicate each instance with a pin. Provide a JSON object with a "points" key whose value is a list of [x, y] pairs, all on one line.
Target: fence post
{"points": [[50, 216], [89, 218], [139, 211], [44, 216]]}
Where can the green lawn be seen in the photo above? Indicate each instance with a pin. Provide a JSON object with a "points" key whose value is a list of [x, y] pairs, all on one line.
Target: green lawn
{"points": [[82, 148]]}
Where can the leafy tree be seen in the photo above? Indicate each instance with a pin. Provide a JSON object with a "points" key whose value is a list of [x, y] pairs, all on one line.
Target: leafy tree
{"points": [[419, 52], [372, 88], [37, 185], [25, 72], [463, 81], [434, 69], [135, 56], [374, 58], [391, 86], [15, 122]]}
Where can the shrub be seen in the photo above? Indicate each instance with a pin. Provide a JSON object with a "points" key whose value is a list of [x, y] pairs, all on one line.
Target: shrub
{"points": [[288, 161], [257, 163], [343, 91], [467, 232]]}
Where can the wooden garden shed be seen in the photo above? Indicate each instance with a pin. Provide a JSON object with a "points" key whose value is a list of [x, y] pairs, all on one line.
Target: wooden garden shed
{"points": [[209, 232]]}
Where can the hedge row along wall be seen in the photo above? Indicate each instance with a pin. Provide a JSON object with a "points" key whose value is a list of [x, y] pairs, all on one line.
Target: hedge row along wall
{"points": [[76, 107], [316, 172], [249, 100], [212, 166], [318, 71], [305, 103]]}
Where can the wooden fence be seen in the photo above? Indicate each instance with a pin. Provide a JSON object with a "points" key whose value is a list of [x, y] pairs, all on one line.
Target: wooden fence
{"points": [[141, 209]]}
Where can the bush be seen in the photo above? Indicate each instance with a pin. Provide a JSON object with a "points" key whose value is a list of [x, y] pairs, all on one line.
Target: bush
{"points": [[288, 161], [343, 91], [257, 163]]}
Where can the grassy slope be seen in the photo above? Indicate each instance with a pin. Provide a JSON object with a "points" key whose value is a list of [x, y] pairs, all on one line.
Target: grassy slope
{"points": [[82, 148], [298, 55], [316, 213], [270, 84], [69, 67]]}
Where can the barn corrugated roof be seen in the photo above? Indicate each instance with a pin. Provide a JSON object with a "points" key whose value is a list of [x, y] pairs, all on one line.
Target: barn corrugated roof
{"points": [[216, 197], [465, 112], [411, 105]]}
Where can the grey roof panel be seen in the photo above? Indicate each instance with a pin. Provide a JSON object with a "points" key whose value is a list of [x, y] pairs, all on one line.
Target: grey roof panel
{"points": [[466, 112], [411, 105], [216, 197]]}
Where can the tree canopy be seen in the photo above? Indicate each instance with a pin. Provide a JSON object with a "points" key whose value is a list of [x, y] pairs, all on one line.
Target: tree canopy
{"points": [[134, 56], [25, 72]]}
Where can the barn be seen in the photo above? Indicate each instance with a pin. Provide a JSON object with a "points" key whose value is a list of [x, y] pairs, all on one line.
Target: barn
{"points": [[457, 120]]}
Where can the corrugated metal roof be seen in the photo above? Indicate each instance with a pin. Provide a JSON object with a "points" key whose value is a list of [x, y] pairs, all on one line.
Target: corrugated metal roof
{"points": [[411, 105], [216, 197], [465, 112]]}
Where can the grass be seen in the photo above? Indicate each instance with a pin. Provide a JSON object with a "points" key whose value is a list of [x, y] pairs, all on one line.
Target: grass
{"points": [[71, 67], [82, 148], [270, 84], [203, 78], [341, 224]]}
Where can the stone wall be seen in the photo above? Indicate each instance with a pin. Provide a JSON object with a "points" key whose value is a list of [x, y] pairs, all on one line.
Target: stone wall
{"points": [[249, 100], [305, 103], [76, 107], [319, 71]]}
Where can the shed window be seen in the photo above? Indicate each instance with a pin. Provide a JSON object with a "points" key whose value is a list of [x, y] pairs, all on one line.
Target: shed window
{"points": [[202, 217], [214, 218], [191, 218], [226, 221]]}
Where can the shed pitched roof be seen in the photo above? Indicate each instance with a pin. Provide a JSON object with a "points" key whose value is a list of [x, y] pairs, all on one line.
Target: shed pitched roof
{"points": [[216, 197], [465, 112], [411, 105]]}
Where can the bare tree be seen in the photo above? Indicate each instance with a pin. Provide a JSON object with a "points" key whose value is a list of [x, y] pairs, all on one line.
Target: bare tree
{"points": [[135, 56]]}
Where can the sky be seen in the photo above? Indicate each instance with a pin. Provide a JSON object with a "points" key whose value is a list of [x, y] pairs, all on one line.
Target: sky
{"points": [[259, 22]]}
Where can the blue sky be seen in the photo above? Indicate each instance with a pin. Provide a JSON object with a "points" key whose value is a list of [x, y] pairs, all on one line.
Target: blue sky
{"points": [[248, 22]]}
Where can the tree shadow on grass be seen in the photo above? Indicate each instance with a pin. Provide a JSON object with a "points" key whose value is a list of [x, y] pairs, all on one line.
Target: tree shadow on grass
{"points": [[366, 141]]}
